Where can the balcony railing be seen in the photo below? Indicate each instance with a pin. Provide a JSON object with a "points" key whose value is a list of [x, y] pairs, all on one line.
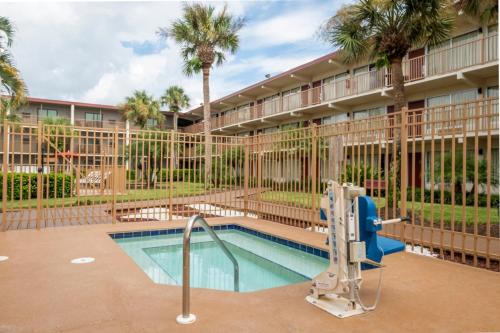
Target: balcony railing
{"points": [[437, 62], [33, 119]]}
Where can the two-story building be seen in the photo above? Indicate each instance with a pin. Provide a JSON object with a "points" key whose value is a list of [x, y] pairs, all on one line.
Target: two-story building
{"points": [[327, 91]]}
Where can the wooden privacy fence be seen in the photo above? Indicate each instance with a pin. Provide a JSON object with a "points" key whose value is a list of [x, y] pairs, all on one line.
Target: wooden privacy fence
{"points": [[437, 165]]}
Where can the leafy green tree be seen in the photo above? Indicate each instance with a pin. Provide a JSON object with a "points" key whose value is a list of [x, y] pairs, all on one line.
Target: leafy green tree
{"points": [[147, 154], [8, 110], [141, 108], [11, 82], [175, 99], [227, 168], [58, 132], [457, 181], [206, 37]]}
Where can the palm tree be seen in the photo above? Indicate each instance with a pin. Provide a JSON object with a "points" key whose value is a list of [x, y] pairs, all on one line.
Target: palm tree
{"points": [[385, 30], [140, 108], [10, 78], [205, 37], [175, 99], [485, 10]]}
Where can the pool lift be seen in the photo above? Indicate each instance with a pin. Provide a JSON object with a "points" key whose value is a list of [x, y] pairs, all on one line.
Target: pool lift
{"points": [[353, 246]]}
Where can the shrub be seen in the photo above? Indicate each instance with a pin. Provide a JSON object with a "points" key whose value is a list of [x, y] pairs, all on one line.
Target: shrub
{"points": [[25, 185], [187, 175], [351, 174], [469, 199]]}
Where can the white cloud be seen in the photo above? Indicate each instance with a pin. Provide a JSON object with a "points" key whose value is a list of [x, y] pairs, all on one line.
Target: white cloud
{"points": [[74, 50], [293, 26]]}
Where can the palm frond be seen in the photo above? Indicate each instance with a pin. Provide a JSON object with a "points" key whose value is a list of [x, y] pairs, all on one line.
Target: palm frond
{"points": [[8, 29], [204, 35], [175, 99]]}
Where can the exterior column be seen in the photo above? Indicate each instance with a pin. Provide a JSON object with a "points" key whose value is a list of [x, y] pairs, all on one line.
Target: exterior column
{"points": [[72, 117], [127, 132]]}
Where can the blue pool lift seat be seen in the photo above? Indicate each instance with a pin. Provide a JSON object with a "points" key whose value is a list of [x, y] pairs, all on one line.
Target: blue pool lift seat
{"points": [[376, 246]]}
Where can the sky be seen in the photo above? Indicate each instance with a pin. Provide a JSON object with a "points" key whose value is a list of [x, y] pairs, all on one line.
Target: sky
{"points": [[100, 52]]}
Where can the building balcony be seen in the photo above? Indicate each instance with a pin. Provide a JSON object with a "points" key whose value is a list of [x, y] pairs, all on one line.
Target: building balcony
{"points": [[442, 63]]}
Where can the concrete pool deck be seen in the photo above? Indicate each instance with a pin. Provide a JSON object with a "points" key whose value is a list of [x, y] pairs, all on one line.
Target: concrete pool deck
{"points": [[40, 291]]}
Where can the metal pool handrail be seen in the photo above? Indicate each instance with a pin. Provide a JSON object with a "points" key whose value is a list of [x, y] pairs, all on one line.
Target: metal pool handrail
{"points": [[186, 317]]}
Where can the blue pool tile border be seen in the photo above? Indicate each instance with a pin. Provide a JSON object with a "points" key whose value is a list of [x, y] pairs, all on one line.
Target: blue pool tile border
{"points": [[295, 245]]}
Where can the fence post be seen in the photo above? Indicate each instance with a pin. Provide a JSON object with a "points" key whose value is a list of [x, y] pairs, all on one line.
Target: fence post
{"points": [[404, 166], [259, 174], [115, 172], [39, 176], [314, 176], [5, 167], [246, 168], [171, 177]]}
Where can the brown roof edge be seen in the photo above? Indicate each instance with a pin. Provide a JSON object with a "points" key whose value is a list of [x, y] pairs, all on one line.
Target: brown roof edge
{"points": [[80, 104], [266, 81]]}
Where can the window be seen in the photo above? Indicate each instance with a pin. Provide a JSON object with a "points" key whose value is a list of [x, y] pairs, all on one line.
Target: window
{"points": [[442, 117], [271, 105], [455, 53], [492, 91], [26, 135], [151, 123], [438, 100], [464, 96], [291, 91], [373, 112], [270, 130], [337, 118], [46, 113], [93, 116], [495, 172], [456, 97], [290, 126], [329, 79], [291, 99]]}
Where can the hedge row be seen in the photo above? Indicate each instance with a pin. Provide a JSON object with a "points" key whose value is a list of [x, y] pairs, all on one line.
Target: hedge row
{"points": [[25, 184], [187, 175], [164, 175]]}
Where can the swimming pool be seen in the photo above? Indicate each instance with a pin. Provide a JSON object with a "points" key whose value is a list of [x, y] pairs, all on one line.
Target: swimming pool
{"points": [[265, 261]]}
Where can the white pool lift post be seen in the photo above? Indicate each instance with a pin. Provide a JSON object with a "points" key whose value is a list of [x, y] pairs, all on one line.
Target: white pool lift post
{"points": [[336, 290]]}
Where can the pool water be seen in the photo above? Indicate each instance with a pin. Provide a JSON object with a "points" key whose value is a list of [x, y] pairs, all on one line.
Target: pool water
{"points": [[263, 263]]}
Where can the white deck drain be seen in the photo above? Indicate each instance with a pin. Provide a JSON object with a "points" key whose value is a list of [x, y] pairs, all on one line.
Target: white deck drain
{"points": [[84, 260], [3, 258]]}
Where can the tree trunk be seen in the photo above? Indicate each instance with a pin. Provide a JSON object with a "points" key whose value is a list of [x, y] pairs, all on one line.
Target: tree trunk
{"points": [[399, 102], [206, 124], [176, 117], [398, 85]]}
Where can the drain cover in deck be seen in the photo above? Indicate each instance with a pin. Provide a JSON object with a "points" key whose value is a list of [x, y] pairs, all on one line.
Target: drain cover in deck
{"points": [[84, 260], [3, 258]]}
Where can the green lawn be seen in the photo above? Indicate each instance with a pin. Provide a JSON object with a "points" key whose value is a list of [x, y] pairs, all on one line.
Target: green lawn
{"points": [[180, 189], [304, 200], [428, 211], [298, 199]]}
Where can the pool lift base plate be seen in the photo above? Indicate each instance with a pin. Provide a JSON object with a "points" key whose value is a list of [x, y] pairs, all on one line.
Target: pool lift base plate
{"points": [[186, 320], [336, 305]]}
